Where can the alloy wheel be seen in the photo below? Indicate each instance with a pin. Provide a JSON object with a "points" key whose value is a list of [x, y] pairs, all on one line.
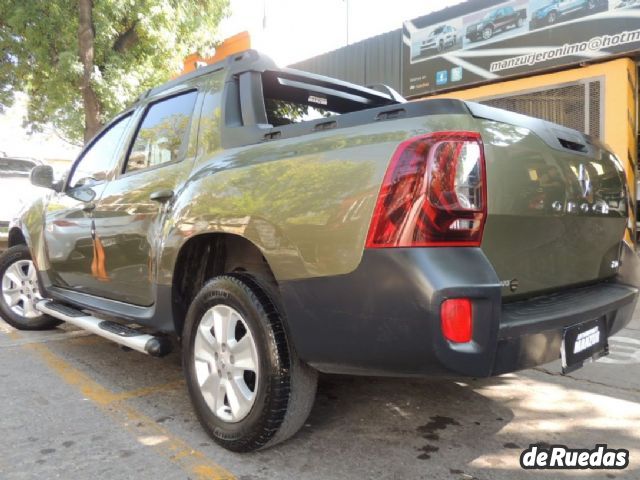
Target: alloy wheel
{"points": [[20, 289], [226, 363]]}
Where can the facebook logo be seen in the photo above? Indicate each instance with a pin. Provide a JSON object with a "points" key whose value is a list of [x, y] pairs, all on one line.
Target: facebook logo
{"points": [[442, 77]]}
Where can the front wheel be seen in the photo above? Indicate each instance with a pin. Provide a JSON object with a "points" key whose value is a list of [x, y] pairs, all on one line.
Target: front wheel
{"points": [[248, 387], [20, 291], [487, 33]]}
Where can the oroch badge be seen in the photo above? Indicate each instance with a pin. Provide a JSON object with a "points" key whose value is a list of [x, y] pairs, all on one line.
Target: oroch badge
{"points": [[512, 284]]}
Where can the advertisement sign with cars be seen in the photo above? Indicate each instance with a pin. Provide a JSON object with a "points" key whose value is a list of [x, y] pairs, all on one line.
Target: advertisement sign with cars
{"points": [[486, 40]]}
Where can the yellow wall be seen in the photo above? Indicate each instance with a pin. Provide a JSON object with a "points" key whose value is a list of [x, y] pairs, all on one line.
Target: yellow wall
{"points": [[619, 104]]}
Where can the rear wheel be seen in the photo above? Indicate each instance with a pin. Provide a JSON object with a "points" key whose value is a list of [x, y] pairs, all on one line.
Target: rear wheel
{"points": [[20, 291], [245, 381]]}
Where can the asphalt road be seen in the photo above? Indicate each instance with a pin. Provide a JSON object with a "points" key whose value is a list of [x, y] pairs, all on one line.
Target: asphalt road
{"points": [[74, 406]]}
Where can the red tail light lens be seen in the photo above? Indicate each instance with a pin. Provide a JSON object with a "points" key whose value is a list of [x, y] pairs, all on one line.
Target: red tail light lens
{"points": [[433, 194], [456, 320]]}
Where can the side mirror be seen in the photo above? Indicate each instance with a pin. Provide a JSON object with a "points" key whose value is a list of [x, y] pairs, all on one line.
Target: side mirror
{"points": [[84, 194], [42, 176]]}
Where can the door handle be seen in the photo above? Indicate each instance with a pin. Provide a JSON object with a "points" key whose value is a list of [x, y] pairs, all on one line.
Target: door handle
{"points": [[161, 196], [89, 207]]}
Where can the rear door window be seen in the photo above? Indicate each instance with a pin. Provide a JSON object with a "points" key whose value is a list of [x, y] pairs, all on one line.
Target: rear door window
{"points": [[162, 133]]}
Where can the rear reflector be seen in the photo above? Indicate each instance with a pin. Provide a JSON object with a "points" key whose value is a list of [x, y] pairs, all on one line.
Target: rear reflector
{"points": [[456, 320], [433, 194]]}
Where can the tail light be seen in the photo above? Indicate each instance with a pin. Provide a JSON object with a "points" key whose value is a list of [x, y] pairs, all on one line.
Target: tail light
{"points": [[433, 194], [456, 320]]}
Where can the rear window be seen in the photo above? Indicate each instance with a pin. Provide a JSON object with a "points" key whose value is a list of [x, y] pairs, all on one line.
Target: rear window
{"points": [[290, 98], [14, 167], [283, 112]]}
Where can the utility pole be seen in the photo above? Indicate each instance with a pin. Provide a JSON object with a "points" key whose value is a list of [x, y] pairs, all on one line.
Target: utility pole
{"points": [[347, 7], [264, 14]]}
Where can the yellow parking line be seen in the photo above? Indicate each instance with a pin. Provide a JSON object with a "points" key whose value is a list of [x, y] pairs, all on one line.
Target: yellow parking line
{"points": [[144, 391], [147, 431]]}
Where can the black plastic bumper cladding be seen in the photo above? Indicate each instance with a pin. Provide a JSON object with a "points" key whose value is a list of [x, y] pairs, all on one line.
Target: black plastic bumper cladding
{"points": [[384, 318]]}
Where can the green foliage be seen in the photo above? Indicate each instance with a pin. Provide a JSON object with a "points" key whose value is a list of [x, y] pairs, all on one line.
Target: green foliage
{"points": [[138, 44]]}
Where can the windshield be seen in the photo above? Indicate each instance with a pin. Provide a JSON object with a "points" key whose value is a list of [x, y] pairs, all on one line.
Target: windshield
{"points": [[12, 167]]}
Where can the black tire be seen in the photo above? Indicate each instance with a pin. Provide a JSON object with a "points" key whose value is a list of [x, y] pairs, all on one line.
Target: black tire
{"points": [[487, 33], [286, 387], [40, 322]]}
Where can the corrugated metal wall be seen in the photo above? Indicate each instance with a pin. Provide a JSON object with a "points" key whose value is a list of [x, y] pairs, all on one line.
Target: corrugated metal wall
{"points": [[374, 60]]}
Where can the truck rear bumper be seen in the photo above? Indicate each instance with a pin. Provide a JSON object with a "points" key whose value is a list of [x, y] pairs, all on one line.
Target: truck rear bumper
{"points": [[384, 318], [531, 332]]}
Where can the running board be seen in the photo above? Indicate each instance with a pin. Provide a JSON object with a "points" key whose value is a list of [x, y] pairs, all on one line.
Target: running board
{"points": [[141, 342]]}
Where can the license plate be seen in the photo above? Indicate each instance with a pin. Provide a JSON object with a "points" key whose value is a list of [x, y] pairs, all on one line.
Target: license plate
{"points": [[583, 342]]}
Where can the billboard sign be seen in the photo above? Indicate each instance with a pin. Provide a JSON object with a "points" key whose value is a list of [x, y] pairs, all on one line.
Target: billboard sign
{"points": [[484, 40]]}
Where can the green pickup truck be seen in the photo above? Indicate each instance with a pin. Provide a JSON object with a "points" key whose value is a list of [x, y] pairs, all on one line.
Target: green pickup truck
{"points": [[279, 224]]}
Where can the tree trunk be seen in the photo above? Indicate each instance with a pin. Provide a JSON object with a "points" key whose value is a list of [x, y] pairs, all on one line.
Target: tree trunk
{"points": [[86, 35]]}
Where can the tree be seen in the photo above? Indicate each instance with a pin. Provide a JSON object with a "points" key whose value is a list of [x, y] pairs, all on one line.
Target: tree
{"points": [[82, 61]]}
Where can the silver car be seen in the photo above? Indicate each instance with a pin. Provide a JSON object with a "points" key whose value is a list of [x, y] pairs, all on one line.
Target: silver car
{"points": [[16, 191]]}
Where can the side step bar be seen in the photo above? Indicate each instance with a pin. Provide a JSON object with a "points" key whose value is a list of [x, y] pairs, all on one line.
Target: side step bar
{"points": [[142, 342]]}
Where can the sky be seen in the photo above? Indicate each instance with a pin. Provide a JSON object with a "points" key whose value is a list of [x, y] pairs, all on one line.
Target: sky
{"points": [[298, 29], [14, 140]]}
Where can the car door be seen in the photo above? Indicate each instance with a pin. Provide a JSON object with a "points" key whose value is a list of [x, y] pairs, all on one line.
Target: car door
{"points": [[128, 215], [567, 6], [500, 19], [68, 215]]}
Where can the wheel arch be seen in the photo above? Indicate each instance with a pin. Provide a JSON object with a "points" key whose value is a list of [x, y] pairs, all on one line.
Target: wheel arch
{"points": [[16, 237], [206, 255]]}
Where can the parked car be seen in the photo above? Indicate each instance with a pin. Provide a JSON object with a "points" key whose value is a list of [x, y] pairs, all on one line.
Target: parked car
{"points": [[496, 21], [439, 39], [16, 191], [559, 10], [281, 224], [627, 3]]}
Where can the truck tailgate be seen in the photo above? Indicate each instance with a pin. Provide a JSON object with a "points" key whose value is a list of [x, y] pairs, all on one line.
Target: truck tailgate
{"points": [[557, 204]]}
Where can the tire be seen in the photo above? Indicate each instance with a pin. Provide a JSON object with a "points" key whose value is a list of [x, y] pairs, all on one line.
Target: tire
{"points": [[277, 389], [19, 291], [487, 33]]}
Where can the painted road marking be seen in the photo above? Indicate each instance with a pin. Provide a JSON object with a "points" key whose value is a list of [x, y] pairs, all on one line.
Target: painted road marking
{"points": [[144, 429], [623, 351], [46, 339]]}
